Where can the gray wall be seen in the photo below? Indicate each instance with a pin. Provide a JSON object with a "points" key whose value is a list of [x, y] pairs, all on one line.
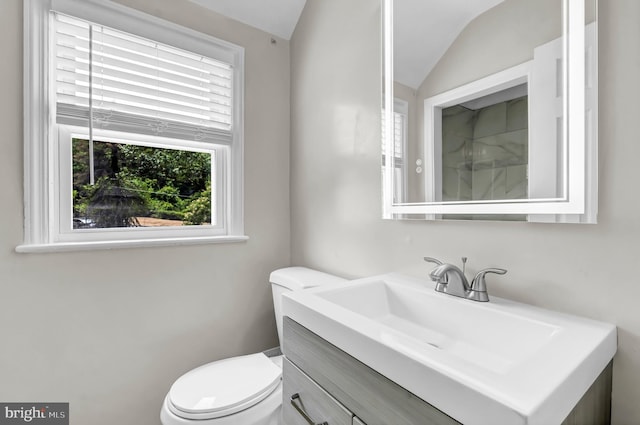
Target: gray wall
{"points": [[502, 37], [109, 331], [589, 270]]}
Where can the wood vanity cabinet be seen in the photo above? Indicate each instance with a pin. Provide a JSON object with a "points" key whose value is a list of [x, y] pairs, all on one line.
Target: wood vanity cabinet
{"points": [[307, 403], [353, 393], [323, 385]]}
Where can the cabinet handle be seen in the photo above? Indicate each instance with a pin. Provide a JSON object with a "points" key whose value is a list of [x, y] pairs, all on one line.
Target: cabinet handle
{"points": [[302, 412]]}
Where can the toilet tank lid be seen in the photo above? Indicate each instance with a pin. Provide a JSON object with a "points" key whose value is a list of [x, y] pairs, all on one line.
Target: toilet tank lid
{"points": [[295, 278]]}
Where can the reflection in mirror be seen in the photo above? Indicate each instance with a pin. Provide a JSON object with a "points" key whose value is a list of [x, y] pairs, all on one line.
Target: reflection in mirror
{"points": [[484, 147], [479, 109], [480, 42]]}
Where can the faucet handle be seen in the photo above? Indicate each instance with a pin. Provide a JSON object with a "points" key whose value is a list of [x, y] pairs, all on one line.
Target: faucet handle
{"points": [[433, 260], [479, 285], [442, 280]]}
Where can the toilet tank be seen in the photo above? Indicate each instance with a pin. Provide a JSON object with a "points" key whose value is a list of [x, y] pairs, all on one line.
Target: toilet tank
{"points": [[295, 279]]}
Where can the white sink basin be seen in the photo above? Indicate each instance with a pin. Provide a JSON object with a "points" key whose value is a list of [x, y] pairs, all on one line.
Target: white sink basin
{"points": [[495, 363]]}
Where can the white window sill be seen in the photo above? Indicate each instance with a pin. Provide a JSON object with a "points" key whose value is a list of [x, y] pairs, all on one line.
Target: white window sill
{"points": [[134, 243]]}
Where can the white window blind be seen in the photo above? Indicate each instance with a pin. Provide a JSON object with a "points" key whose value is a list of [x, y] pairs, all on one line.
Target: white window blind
{"points": [[399, 160], [399, 137], [108, 79]]}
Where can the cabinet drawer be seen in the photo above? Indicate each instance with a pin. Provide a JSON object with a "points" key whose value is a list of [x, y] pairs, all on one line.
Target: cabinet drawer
{"points": [[370, 396], [311, 401]]}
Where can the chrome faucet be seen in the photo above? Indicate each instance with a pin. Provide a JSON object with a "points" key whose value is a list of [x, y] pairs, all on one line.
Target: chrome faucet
{"points": [[451, 280]]}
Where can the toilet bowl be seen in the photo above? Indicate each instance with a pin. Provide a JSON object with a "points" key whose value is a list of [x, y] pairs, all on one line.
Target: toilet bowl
{"points": [[239, 390], [243, 390]]}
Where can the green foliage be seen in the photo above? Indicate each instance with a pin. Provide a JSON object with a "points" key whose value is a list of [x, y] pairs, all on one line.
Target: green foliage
{"points": [[186, 171], [138, 181], [199, 210]]}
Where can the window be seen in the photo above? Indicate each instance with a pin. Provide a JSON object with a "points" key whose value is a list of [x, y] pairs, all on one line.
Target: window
{"points": [[399, 158], [135, 134]]}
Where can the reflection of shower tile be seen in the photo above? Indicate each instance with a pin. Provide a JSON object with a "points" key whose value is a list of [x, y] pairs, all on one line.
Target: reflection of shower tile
{"points": [[460, 157], [488, 184], [456, 184], [517, 114], [452, 143], [500, 183], [516, 182], [458, 119], [490, 120], [457, 126], [501, 150], [485, 152]]}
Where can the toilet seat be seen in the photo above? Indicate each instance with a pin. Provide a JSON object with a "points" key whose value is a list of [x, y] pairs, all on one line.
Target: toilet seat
{"points": [[224, 387]]}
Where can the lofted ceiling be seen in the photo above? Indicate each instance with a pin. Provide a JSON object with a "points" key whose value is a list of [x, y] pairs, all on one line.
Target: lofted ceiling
{"points": [[277, 17], [424, 29]]}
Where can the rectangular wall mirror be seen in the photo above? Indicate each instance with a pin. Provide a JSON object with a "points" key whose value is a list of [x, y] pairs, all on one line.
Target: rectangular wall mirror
{"points": [[490, 110]]}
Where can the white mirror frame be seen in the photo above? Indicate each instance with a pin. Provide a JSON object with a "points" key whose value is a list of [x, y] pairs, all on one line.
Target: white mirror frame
{"points": [[580, 195]]}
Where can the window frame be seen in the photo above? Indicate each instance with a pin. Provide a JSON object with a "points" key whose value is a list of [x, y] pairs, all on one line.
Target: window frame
{"points": [[63, 190], [41, 155]]}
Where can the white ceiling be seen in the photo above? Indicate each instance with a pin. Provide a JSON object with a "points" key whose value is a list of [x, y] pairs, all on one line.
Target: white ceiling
{"points": [[277, 17], [424, 30]]}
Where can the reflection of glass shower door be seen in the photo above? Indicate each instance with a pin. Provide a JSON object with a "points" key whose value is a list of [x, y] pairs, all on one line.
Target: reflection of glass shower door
{"points": [[485, 149]]}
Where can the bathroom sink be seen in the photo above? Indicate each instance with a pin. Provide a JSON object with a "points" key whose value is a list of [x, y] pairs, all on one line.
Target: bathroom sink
{"points": [[500, 362], [413, 318]]}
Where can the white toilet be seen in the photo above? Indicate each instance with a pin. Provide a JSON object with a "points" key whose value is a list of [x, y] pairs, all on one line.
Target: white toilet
{"points": [[244, 390]]}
